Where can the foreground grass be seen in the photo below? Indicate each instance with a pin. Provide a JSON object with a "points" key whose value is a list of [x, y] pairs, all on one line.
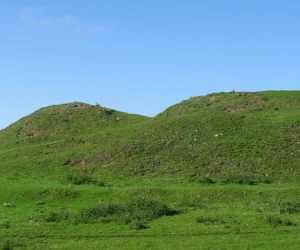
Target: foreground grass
{"points": [[174, 214]]}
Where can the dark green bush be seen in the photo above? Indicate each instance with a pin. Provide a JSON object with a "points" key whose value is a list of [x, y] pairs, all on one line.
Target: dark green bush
{"points": [[206, 180], [209, 221], [57, 194], [5, 223], [77, 179], [40, 203], [241, 179], [131, 212], [137, 209], [51, 217], [145, 209], [277, 221], [7, 245], [97, 213], [136, 224], [57, 216], [290, 207]]}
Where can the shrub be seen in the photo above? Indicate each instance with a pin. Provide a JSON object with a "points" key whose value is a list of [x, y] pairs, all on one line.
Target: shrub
{"points": [[57, 194], [97, 213], [7, 245], [40, 203], [77, 179], [265, 179], [206, 180], [209, 221], [136, 224], [241, 179], [290, 207], [277, 221], [57, 216], [51, 217], [108, 112], [145, 209], [134, 210], [265, 98], [5, 223]]}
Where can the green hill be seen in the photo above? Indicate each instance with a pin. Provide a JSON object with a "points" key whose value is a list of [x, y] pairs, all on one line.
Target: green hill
{"points": [[213, 172], [223, 136]]}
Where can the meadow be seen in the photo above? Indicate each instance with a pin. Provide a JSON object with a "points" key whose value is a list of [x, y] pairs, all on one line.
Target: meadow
{"points": [[146, 213]]}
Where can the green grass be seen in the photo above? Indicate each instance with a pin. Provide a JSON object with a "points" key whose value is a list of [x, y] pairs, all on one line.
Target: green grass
{"points": [[168, 213], [214, 172]]}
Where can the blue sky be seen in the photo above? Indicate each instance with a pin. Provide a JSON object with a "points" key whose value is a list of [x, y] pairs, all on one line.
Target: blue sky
{"points": [[142, 56]]}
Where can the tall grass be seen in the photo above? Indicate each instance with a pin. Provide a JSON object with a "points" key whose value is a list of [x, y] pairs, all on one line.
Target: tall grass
{"points": [[134, 212]]}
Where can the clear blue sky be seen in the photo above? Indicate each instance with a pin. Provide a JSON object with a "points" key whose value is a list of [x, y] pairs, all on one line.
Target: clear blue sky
{"points": [[142, 56]]}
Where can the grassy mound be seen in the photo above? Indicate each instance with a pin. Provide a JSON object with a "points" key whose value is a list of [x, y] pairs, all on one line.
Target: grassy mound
{"points": [[237, 137]]}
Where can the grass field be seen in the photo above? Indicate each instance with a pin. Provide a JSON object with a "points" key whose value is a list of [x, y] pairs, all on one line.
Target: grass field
{"points": [[214, 172], [48, 214]]}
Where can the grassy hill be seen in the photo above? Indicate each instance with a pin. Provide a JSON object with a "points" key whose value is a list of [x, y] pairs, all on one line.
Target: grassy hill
{"points": [[213, 172], [221, 136]]}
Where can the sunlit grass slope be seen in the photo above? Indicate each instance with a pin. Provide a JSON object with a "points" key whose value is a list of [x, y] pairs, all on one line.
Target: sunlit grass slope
{"points": [[223, 136]]}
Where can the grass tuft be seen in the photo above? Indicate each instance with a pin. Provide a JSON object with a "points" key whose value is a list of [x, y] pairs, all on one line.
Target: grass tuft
{"points": [[7, 245], [290, 207], [277, 221], [57, 194], [210, 221], [137, 225], [77, 179], [5, 223]]}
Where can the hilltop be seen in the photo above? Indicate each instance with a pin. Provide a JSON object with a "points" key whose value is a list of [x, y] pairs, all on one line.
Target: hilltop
{"points": [[232, 136]]}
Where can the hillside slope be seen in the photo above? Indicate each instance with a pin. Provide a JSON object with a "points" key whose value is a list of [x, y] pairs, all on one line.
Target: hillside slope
{"points": [[223, 136]]}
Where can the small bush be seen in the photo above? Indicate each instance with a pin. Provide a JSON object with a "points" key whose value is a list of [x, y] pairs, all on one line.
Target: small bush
{"points": [[57, 216], [130, 212], [266, 180], [31, 218], [97, 213], [77, 179], [209, 221], [290, 207], [206, 180], [7, 245], [241, 179], [137, 209], [108, 112], [51, 217], [265, 98], [5, 223], [277, 221], [145, 209], [137, 225], [259, 210], [57, 194]]}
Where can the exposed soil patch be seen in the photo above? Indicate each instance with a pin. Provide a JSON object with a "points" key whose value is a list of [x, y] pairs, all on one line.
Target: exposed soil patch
{"points": [[34, 133]]}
